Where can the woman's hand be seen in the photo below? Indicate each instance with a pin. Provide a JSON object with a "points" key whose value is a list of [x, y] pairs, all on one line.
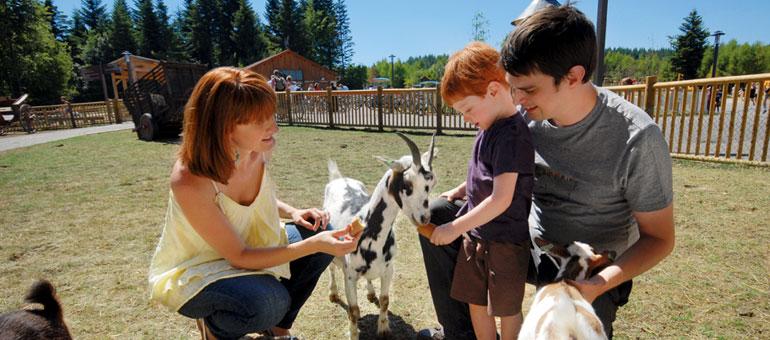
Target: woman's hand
{"points": [[444, 234], [336, 242], [310, 219]]}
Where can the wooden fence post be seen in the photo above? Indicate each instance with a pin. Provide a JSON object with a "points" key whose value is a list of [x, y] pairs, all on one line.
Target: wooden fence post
{"points": [[288, 106], [379, 107], [330, 105], [439, 109], [649, 95]]}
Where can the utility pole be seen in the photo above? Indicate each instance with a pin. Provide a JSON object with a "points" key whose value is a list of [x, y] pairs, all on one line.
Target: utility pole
{"points": [[716, 36], [392, 80], [601, 30]]}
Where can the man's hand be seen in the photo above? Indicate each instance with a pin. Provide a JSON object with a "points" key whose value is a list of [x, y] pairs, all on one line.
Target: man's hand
{"points": [[590, 288]]}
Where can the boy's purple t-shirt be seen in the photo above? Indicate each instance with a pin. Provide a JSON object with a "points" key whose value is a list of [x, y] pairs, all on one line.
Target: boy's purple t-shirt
{"points": [[505, 147]]}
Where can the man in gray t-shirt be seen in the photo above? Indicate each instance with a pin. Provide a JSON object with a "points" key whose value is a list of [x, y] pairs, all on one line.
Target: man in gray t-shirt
{"points": [[593, 175], [602, 169]]}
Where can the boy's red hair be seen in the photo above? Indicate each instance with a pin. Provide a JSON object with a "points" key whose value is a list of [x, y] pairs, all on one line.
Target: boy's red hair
{"points": [[469, 71]]}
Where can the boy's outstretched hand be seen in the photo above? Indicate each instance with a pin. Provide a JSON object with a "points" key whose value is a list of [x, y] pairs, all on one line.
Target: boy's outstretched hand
{"points": [[444, 234]]}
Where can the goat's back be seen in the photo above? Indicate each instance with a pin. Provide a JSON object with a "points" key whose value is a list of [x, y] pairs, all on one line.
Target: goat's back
{"points": [[43, 320], [560, 312], [344, 198]]}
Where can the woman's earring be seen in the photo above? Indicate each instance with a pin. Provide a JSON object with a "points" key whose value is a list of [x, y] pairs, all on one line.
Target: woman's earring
{"points": [[237, 156]]}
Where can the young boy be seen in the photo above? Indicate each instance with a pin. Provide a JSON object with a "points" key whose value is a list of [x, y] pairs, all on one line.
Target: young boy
{"points": [[491, 267]]}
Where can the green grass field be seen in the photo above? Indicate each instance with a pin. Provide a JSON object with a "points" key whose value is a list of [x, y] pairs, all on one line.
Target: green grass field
{"points": [[87, 212]]}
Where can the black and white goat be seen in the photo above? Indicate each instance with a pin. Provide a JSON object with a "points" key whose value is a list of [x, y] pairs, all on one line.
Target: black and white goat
{"points": [[559, 311], [404, 187]]}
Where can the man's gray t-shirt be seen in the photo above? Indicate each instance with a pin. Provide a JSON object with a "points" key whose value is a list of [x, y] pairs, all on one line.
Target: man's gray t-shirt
{"points": [[591, 176]]}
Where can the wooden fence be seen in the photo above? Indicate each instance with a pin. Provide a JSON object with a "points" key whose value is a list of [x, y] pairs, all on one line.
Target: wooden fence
{"points": [[715, 119], [55, 117], [377, 109]]}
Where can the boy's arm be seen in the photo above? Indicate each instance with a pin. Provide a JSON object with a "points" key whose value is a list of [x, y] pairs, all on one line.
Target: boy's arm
{"points": [[502, 194]]}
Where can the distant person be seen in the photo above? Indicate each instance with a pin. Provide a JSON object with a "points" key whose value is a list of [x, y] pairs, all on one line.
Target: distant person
{"points": [[753, 94], [627, 81], [344, 87], [718, 98], [279, 81]]}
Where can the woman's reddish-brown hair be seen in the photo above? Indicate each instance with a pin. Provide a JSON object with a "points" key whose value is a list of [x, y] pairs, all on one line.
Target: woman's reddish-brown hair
{"points": [[223, 98], [469, 71]]}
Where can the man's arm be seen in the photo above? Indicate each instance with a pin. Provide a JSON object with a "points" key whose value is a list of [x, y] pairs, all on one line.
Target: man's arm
{"points": [[656, 241]]}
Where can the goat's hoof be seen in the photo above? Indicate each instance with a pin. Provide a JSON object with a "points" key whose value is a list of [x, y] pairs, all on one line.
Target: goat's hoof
{"points": [[383, 333], [334, 298], [372, 298]]}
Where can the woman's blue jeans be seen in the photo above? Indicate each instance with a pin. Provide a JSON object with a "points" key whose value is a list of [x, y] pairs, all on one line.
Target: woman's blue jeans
{"points": [[237, 306]]}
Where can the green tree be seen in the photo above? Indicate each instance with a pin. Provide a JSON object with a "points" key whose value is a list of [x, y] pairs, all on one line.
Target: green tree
{"points": [[286, 29], [689, 46], [203, 33], [58, 21], [94, 14], [225, 42], [173, 48], [355, 76], [321, 26], [480, 26], [151, 43], [32, 60], [345, 37], [250, 45], [121, 36]]}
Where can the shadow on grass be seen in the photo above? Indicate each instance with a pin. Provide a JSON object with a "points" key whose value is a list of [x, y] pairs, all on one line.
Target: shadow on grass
{"points": [[367, 325]]}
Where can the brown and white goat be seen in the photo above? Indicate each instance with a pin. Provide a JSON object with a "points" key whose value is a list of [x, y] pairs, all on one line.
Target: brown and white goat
{"points": [[404, 187], [559, 311], [41, 318]]}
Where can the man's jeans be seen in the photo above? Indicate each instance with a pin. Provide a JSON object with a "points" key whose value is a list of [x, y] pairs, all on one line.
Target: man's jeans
{"points": [[237, 306], [453, 315]]}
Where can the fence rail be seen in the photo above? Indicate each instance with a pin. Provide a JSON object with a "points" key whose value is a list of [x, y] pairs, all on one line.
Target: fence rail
{"points": [[719, 119], [55, 117], [379, 109]]}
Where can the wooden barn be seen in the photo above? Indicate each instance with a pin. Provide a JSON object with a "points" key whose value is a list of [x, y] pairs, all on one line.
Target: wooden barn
{"points": [[300, 69]]}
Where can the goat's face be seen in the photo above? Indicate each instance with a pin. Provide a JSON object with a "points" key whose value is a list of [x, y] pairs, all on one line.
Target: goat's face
{"points": [[577, 261], [411, 181]]}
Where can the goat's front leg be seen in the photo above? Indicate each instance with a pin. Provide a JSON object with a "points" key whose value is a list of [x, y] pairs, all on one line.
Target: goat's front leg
{"points": [[354, 313], [371, 295], [383, 325], [334, 295]]}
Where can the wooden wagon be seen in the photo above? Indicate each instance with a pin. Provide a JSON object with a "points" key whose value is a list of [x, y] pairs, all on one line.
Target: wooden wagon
{"points": [[156, 101]]}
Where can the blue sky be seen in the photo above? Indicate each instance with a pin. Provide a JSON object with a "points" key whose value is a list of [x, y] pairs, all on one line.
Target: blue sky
{"points": [[419, 27]]}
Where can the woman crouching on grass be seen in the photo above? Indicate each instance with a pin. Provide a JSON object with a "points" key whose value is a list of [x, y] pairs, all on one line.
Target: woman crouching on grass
{"points": [[224, 258]]}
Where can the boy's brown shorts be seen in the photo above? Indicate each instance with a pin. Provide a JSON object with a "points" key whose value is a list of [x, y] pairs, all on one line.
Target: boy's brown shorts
{"points": [[491, 274]]}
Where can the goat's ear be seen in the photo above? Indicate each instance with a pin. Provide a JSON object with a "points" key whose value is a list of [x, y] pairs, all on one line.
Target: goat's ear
{"points": [[599, 261], [426, 160], [384, 160], [551, 248]]}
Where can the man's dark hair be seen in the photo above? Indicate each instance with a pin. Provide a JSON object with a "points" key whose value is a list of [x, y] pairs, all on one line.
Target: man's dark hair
{"points": [[551, 41]]}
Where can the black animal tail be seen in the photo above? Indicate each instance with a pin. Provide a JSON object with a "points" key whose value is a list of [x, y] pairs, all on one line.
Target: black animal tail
{"points": [[42, 292]]}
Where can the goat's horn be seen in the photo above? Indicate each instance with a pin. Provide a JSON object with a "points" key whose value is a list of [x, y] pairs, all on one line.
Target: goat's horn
{"points": [[412, 147], [430, 157]]}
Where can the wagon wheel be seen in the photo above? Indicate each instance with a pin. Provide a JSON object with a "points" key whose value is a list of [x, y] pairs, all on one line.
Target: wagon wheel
{"points": [[148, 128]]}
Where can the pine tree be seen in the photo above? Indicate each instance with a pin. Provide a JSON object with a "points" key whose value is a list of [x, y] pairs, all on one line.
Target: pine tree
{"points": [[151, 42], [122, 32], [227, 11], [173, 48], [76, 37], [58, 21], [345, 53], [321, 26], [689, 46], [94, 14], [249, 42], [480, 27], [203, 32], [273, 28], [183, 23]]}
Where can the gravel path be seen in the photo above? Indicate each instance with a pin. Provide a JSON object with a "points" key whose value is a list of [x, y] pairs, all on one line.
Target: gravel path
{"points": [[20, 141]]}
